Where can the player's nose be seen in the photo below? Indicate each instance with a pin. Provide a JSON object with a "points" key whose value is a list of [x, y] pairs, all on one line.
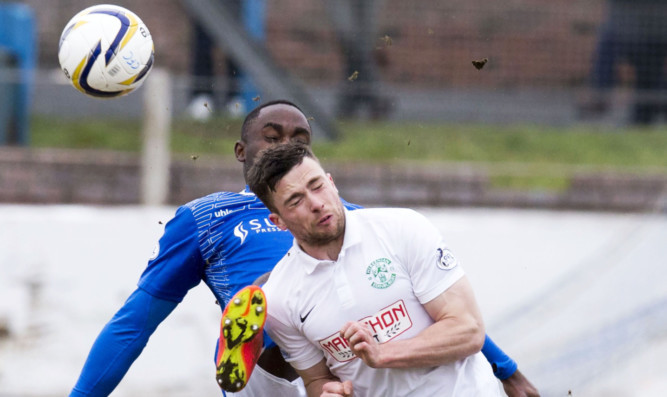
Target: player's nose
{"points": [[316, 203]]}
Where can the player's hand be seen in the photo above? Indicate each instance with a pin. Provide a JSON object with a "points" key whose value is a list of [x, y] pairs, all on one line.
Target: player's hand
{"points": [[359, 337], [518, 386], [337, 389]]}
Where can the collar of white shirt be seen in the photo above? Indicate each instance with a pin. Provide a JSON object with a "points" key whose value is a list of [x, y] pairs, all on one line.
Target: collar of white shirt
{"points": [[352, 237]]}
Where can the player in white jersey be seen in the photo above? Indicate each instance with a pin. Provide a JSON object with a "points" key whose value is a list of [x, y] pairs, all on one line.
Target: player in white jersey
{"points": [[369, 302]]}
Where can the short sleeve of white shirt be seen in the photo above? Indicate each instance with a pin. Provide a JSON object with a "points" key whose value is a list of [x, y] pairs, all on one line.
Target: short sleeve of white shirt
{"points": [[432, 266], [301, 353]]}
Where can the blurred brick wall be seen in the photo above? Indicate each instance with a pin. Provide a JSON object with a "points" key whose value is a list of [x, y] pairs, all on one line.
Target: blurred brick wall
{"points": [[528, 42], [113, 178], [102, 177]]}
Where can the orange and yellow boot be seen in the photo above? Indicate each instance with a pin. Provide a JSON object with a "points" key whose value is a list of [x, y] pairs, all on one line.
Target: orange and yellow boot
{"points": [[241, 338]]}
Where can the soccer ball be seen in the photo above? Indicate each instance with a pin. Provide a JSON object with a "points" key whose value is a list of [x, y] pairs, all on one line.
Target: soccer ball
{"points": [[106, 51]]}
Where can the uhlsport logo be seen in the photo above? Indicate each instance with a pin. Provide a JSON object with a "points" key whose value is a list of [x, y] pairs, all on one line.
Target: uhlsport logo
{"points": [[386, 325], [221, 213], [381, 273]]}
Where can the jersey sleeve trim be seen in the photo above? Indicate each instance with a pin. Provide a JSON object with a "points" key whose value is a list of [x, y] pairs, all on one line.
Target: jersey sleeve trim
{"points": [[443, 286]]}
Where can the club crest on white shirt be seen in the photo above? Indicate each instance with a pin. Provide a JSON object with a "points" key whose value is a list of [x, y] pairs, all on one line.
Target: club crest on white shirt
{"points": [[446, 260], [381, 273]]}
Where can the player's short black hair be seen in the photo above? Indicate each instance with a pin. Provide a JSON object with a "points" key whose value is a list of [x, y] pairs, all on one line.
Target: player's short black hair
{"points": [[272, 165], [255, 112]]}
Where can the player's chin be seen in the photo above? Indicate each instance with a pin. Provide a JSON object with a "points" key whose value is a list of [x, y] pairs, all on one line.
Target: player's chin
{"points": [[324, 227]]}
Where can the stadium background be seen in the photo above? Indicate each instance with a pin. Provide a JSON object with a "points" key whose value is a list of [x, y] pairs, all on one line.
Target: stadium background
{"points": [[539, 52], [582, 305], [534, 43]]}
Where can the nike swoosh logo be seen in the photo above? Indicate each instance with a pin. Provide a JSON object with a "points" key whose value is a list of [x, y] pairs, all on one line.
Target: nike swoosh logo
{"points": [[303, 318]]}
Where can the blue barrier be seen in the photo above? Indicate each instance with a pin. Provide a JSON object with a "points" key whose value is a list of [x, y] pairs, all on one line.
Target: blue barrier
{"points": [[18, 48], [253, 19]]}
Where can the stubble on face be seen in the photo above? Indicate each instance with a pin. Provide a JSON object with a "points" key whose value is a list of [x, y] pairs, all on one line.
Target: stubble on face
{"points": [[320, 238]]}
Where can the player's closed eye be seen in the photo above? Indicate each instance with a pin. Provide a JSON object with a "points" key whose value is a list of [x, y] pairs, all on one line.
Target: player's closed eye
{"points": [[301, 139], [294, 202]]}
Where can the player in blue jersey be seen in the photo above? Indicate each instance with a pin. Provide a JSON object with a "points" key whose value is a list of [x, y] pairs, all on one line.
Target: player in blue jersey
{"points": [[227, 240]]}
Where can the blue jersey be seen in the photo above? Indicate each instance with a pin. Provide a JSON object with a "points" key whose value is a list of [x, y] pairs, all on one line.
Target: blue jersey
{"points": [[225, 239]]}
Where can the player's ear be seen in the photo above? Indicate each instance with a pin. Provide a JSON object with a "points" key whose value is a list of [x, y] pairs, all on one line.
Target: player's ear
{"points": [[239, 151], [332, 182], [277, 220]]}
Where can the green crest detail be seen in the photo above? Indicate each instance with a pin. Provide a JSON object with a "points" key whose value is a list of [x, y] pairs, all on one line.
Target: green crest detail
{"points": [[381, 273]]}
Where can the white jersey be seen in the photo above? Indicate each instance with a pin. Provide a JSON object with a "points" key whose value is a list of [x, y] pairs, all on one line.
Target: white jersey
{"points": [[392, 262], [262, 384]]}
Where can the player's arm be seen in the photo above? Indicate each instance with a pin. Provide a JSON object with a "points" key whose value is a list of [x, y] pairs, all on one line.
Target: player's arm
{"points": [[505, 369], [503, 366], [319, 381], [120, 343], [516, 385], [169, 275], [458, 332]]}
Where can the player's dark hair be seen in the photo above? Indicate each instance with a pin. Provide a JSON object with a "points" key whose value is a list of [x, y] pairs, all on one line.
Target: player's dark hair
{"points": [[255, 112], [272, 165]]}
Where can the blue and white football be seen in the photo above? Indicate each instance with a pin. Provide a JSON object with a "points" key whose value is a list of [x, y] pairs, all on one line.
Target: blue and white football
{"points": [[106, 51]]}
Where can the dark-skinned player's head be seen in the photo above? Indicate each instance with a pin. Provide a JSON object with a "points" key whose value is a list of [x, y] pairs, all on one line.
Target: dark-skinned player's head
{"points": [[269, 124]]}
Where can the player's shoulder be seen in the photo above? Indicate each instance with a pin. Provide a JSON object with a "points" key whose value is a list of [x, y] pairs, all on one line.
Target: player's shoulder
{"points": [[221, 201], [283, 276], [387, 221], [349, 206], [281, 271], [391, 215], [278, 288]]}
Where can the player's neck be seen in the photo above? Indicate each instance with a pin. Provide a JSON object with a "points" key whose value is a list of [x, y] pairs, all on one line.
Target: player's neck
{"points": [[324, 252]]}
